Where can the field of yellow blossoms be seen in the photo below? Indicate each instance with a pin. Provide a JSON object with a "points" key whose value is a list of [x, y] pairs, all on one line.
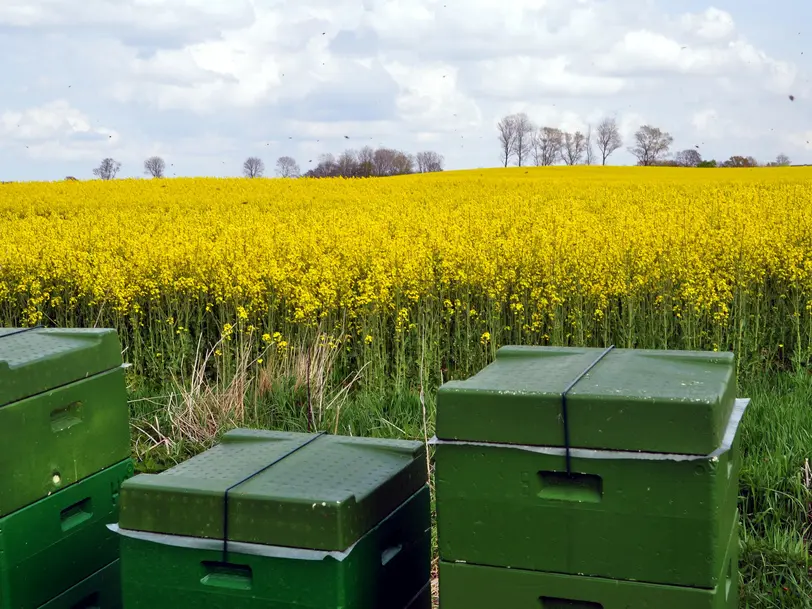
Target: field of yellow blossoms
{"points": [[441, 266]]}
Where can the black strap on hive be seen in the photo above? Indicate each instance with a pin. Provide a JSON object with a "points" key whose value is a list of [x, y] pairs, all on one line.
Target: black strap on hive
{"points": [[564, 411], [247, 478], [21, 331]]}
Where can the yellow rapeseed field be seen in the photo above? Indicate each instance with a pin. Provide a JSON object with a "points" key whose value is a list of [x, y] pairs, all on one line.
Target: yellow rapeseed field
{"points": [[449, 264]]}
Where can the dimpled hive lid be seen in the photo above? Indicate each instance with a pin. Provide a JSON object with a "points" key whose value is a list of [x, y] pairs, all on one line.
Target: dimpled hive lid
{"points": [[321, 492], [33, 361], [632, 399]]}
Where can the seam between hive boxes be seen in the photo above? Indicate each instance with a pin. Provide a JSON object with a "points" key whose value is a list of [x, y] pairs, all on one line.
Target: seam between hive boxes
{"points": [[739, 408]]}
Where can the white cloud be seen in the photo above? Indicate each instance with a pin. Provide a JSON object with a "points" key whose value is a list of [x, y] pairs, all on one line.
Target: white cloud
{"points": [[711, 24], [53, 120], [518, 76], [277, 76], [151, 15], [430, 97]]}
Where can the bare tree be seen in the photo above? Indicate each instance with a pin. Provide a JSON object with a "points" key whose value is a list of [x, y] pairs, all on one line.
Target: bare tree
{"points": [[389, 162], [589, 152], [740, 161], [253, 167], [688, 158], [522, 142], [572, 148], [782, 160], [547, 143], [287, 167], [155, 166], [404, 163], [108, 169], [429, 161], [383, 160], [651, 145], [608, 138], [366, 162], [507, 138], [326, 167], [347, 164]]}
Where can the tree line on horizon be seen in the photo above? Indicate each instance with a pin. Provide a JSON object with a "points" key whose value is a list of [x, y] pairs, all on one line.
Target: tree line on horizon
{"points": [[522, 143], [364, 163]]}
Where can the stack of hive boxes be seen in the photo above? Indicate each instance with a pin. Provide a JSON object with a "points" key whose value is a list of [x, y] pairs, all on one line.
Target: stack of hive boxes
{"points": [[63, 456], [644, 516], [281, 520]]}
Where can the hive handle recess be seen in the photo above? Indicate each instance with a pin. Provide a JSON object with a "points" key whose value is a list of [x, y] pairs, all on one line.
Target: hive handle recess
{"points": [[227, 575], [66, 417], [548, 602], [91, 601], [578, 488], [76, 514]]}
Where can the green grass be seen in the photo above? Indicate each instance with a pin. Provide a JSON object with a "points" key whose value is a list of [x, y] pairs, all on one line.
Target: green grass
{"points": [[775, 501]]}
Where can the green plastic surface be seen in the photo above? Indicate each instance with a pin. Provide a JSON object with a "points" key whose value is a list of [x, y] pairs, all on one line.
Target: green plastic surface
{"points": [[646, 400], [511, 507], [385, 570], [102, 590], [465, 586], [324, 496], [35, 361], [50, 546], [58, 437]]}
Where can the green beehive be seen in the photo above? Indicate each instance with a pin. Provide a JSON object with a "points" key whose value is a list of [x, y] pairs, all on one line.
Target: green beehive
{"points": [[646, 400], [505, 499], [63, 399], [310, 521], [464, 586], [50, 546], [102, 590]]}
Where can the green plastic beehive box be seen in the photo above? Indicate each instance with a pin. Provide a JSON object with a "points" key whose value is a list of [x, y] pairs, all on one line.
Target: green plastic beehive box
{"points": [[465, 586], [644, 517], [63, 402], [324, 495], [54, 544], [646, 400], [387, 568], [102, 590], [36, 360]]}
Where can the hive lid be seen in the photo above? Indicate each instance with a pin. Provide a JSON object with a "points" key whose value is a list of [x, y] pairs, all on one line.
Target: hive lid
{"points": [[633, 399], [34, 360], [320, 492]]}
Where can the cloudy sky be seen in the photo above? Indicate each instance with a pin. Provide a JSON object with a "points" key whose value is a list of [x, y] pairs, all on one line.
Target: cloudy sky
{"points": [[206, 83]]}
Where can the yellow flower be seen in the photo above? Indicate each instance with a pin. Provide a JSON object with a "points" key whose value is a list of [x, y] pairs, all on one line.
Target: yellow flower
{"points": [[554, 253]]}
